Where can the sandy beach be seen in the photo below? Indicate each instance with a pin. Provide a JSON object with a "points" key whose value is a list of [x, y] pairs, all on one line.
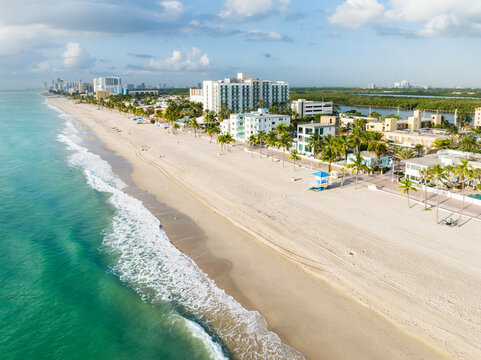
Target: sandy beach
{"points": [[342, 274]]}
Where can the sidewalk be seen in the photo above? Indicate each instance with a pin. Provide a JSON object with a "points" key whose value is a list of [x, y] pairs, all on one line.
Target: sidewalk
{"points": [[382, 182]]}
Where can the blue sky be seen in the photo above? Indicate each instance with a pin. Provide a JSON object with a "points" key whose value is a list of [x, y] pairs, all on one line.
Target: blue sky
{"points": [[180, 42]]}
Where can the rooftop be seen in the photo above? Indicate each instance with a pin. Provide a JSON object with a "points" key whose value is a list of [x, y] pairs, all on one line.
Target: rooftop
{"points": [[311, 124], [427, 160], [417, 133]]}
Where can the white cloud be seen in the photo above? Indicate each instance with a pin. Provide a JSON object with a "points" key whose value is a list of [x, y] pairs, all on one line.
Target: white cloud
{"points": [[260, 35], [75, 57], [242, 9], [204, 61], [425, 18], [41, 67], [356, 13], [181, 61], [15, 38], [171, 10]]}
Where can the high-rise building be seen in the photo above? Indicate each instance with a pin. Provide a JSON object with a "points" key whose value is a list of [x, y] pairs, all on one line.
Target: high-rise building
{"points": [[477, 117], [243, 93], [57, 85], [84, 87], [112, 84]]}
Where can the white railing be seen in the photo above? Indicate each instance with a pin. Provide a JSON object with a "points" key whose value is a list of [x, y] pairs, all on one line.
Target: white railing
{"points": [[452, 195]]}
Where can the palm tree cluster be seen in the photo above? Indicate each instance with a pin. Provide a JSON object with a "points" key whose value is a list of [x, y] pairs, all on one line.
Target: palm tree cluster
{"points": [[225, 141], [462, 176]]}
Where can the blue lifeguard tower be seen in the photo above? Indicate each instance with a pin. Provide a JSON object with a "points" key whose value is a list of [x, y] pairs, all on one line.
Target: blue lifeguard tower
{"points": [[322, 181]]}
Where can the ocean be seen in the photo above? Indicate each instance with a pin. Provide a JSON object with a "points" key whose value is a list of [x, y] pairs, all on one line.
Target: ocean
{"points": [[87, 271]]}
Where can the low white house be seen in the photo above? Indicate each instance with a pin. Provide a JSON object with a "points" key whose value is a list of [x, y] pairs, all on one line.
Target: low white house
{"points": [[242, 126], [305, 131], [443, 158]]}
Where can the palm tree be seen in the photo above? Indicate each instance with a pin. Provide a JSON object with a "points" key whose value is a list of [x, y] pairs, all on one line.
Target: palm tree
{"points": [[403, 154], [315, 143], [212, 129], [294, 157], [284, 143], [271, 140], [251, 141], [356, 138], [419, 148], [329, 155], [175, 127], [194, 125], [378, 147], [407, 186], [210, 116], [438, 173], [229, 140], [441, 144], [469, 144], [281, 129], [261, 136], [221, 140], [343, 172], [342, 144], [464, 171], [357, 165], [424, 177]]}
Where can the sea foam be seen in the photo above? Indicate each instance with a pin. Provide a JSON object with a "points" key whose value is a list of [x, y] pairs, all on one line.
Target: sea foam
{"points": [[147, 261]]}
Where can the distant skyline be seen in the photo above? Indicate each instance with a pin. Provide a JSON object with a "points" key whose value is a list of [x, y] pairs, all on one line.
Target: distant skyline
{"points": [[180, 43]]}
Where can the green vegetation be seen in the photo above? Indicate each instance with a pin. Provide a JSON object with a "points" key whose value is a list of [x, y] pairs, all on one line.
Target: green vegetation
{"points": [[407, 186], [364, 97]]}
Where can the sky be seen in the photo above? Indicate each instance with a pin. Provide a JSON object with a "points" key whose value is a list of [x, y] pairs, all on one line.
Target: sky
{"points": [[350, 43]]}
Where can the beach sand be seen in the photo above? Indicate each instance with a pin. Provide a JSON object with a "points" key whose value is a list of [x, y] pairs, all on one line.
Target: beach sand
{"points": [[341, 274]]}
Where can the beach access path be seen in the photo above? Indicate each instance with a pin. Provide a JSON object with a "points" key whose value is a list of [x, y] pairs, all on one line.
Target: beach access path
{"points": [[344, 273]]}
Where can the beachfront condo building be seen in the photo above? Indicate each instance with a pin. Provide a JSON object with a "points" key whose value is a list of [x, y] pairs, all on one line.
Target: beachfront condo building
{"points": [[477, 117], [112, 84], [306, 130], [242, 126], [243, 93], [310, 108]]}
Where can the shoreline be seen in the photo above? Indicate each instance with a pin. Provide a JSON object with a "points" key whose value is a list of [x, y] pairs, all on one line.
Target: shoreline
{"points": [[312, 288]]}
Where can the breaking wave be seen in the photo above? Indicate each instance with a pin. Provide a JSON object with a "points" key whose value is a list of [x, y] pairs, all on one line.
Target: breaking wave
{"points": [[148, 262]]}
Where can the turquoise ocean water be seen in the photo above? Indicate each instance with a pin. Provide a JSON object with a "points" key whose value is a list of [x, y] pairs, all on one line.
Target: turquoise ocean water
{"points": [[86, 271]]}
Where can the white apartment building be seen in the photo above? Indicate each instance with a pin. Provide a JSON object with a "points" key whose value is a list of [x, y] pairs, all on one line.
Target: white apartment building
{"points": [[477, 117], [242, 126], [196, 95], [305, 131], [112, 84], [311, 108], [443, 158], [243, 93]]}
